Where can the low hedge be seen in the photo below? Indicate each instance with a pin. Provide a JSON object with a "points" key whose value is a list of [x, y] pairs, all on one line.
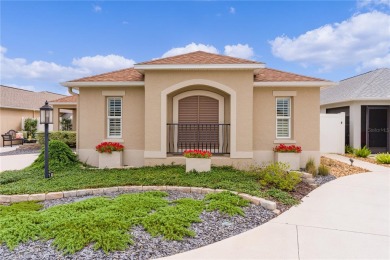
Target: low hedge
{"points": [[68, 137]]}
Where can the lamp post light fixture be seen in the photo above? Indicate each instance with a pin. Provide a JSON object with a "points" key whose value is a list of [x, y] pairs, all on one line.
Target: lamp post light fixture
{"points": [[46, 118]]}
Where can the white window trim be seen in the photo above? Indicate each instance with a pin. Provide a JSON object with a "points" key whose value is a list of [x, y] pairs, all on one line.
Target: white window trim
{"points": [[109, 117], [283, 117]]}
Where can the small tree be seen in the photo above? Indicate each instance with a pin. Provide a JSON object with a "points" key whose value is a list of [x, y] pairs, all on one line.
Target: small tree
{"points": [[66, 124], [30, 126]]}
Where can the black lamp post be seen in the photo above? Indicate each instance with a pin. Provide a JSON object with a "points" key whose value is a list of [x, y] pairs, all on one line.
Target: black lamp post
{"points": [[46, 118]]}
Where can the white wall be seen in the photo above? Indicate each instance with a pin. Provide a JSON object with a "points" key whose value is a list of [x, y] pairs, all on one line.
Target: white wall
{"points": [[332, 133]]}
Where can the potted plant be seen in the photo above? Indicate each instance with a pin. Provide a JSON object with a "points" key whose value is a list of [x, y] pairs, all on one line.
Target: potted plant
{"points": [[197, 160], [110, 155], [289, 154]]}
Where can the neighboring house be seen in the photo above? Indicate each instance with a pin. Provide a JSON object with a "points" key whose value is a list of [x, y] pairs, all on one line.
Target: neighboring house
{"points": [[64, 108], [236, 108], [365, 99], [16, 104]]}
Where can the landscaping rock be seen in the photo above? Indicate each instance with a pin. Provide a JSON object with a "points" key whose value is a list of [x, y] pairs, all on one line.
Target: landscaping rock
{"points": [[19, 198], [37, 197], [214, 227], [71, 193], [5, 199], [54, 195]]}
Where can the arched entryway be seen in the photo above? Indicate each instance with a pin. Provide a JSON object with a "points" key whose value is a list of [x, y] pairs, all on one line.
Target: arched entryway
{"points": [[198, 123]]}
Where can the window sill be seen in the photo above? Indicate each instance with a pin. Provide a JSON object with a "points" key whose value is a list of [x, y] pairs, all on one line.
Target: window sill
{"points": [[284, 141], [119, 140]]}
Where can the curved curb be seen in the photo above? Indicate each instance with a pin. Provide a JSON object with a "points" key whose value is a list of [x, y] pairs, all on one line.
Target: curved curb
{"points": [[78, 193]]}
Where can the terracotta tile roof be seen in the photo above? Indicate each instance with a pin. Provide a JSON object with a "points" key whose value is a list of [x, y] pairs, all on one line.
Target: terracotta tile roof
{"points": [[129, 74], [199, 57], [11, 97], [272, 75], [68, 99]]}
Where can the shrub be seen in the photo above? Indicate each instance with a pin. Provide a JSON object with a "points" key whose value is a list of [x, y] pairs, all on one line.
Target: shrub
{"points": [[323, 170], [348, 149], [276, 175], [282, 148], [311, 167], [363, 152], [197, 154], [68, 137], [109, 147], [60, 156], [383, 158], [30, 126]]}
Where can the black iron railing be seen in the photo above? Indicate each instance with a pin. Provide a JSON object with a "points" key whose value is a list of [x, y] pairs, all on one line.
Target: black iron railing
{"points": [[211, 137]]}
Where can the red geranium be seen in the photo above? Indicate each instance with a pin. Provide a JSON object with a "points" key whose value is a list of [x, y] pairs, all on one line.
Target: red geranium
{"points": [[109, 147], [197, 154], [282, 148]]}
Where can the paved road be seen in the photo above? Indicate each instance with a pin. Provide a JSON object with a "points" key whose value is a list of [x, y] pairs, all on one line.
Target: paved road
{"points": [[347, 218]]}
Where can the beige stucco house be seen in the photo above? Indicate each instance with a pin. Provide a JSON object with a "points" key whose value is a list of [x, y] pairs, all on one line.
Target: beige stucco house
{"points": [[238, 109], [17, 104], [65, 107]]}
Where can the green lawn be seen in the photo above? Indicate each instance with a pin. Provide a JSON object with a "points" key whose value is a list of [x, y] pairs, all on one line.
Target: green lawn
{"points": [[30, 181], [106, 222]]}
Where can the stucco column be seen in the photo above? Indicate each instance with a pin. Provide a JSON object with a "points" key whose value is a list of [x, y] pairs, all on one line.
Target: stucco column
{"points": [[74, 119], [56, 118], [355, 125]]}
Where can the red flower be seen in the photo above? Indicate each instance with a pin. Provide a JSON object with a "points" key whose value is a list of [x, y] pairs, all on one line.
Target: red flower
{"points": [[109, 147], [197, 154], [282, 148]]}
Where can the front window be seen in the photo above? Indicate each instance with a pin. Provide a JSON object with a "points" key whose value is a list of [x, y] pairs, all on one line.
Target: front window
{"points": [[283, 117], [114, 117]]}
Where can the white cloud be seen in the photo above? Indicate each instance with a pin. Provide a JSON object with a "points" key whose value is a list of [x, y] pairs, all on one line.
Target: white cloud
{"points": [[239, 51], [373, 3], [20, 68], [97, 8], [359, 41], [232, 10], [190, 48], [99, 63]]}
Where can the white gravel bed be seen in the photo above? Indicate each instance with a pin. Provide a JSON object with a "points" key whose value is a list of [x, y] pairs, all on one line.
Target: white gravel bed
{"points": [[214, 227]]}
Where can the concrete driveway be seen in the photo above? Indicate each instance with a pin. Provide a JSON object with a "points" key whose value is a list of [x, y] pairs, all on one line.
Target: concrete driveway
{"points": [[16, 162], [347, 218]]}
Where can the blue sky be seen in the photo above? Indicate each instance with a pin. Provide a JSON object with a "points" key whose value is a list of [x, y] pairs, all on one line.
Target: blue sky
{"points": [[47, 42]]}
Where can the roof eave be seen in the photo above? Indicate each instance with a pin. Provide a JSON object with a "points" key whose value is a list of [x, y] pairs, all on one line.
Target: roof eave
{"points": [[198, 66], [294, 83], [74, 84], [385, 99], [63, 103]]}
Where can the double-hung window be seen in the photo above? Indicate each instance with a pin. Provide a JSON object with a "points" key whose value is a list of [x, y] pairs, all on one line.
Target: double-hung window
{"points": [[283, 117], [114, 117]]}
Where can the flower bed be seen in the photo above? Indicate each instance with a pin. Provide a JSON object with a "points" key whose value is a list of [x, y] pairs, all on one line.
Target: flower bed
{"points": [[197, 160], [110, 155], [288, 154]]}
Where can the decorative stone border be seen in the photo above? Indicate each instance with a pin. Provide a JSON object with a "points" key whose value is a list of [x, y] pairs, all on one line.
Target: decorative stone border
{"points": [[101, 191]]}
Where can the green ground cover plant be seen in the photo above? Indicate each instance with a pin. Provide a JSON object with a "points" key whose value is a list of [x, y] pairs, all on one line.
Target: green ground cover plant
{"points": [[31, 181], [383, 158], [106, 222], [60, 156]]}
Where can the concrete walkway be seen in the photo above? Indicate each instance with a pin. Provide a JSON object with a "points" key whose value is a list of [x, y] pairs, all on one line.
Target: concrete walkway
{"points": [[16, 162], [347, 218], [359, 163]]}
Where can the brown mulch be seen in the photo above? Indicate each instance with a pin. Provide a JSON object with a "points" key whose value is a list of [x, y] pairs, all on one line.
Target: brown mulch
{"points": [[340, 169], [368, 159]]}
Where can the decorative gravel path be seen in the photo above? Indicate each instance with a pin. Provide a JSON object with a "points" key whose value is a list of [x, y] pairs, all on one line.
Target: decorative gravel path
{"points": [[214, 227], [21, 151]]}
